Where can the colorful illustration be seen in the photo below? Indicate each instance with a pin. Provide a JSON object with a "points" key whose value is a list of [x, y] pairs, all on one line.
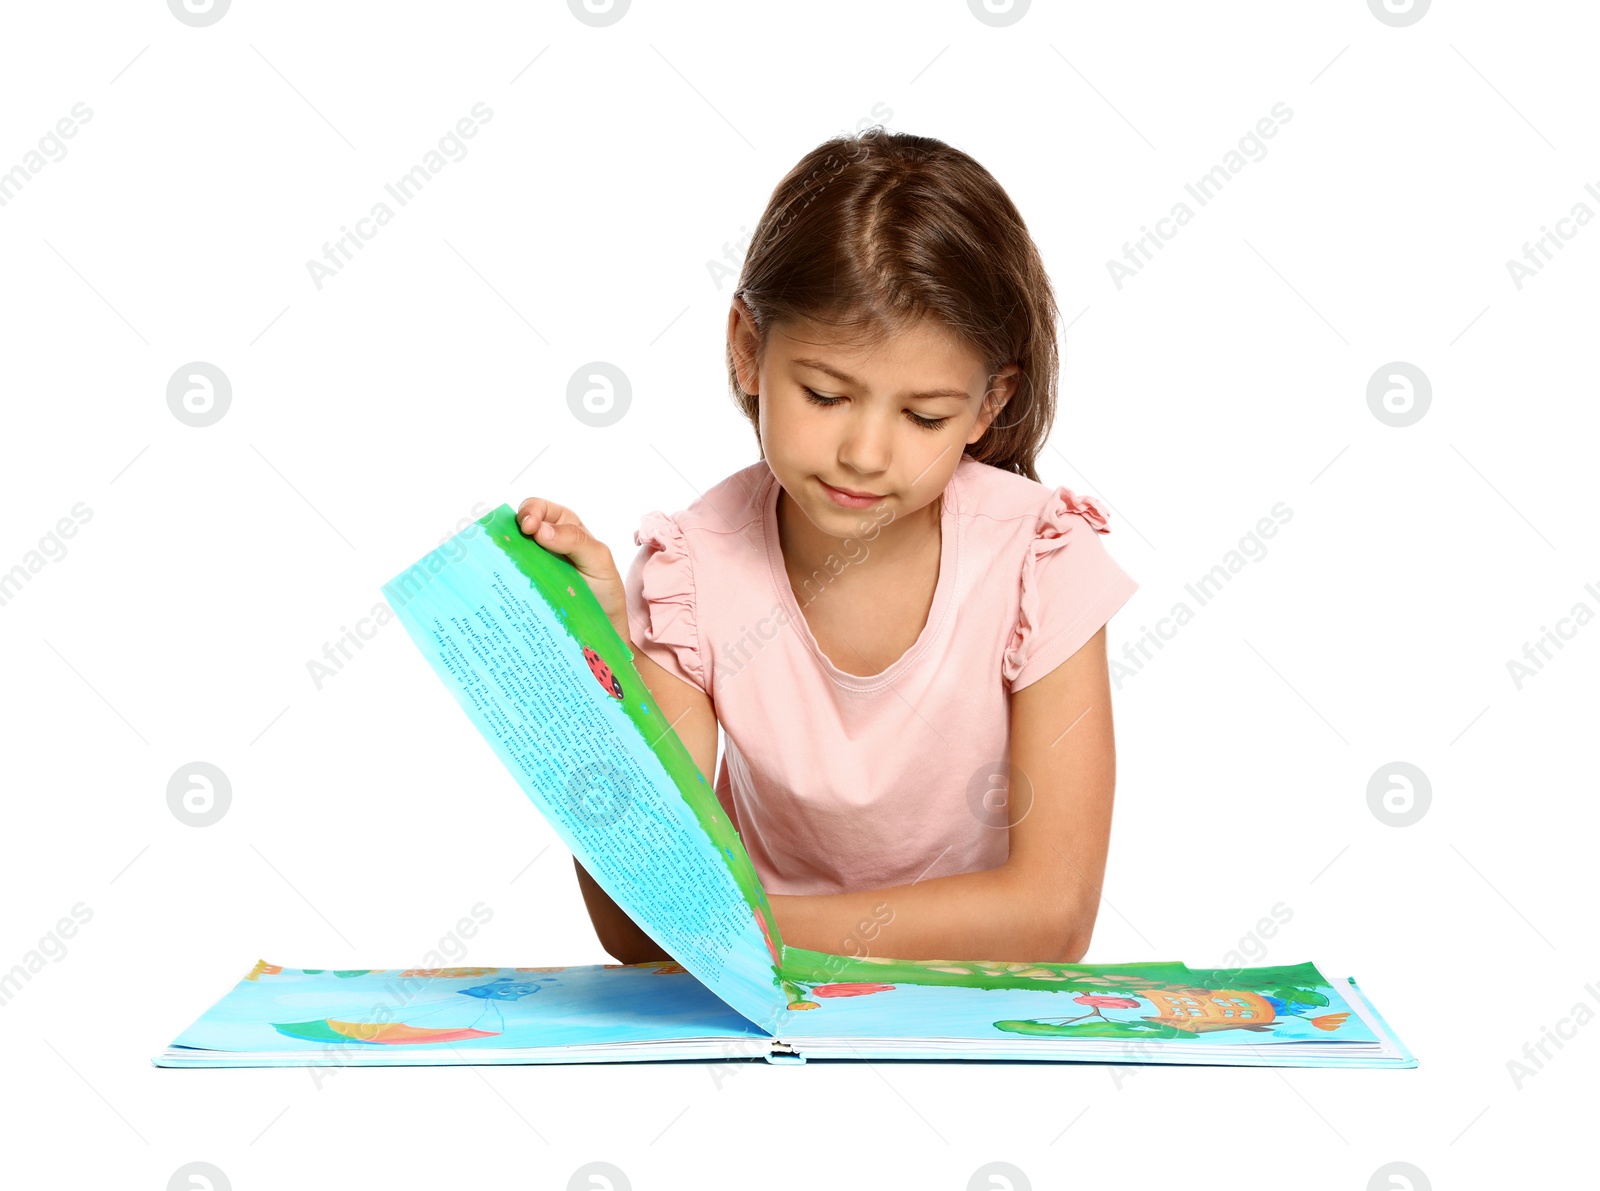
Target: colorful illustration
{"points": [[766, 934], [444, 973], [849, 990], [391, 1033], [278, 1016], [601, 671], [1169, 1001], [1180, 1012]]}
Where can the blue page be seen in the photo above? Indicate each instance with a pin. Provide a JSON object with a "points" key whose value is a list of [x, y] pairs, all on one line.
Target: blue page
{"points": [[441, 1015], [520, 641]]}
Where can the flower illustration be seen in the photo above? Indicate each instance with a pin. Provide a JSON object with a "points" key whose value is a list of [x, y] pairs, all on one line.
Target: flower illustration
{"points": [[1101, 1001], [1095, 1003], [849, 990]]}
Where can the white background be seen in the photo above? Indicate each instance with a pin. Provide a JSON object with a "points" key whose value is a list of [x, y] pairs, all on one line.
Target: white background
{"points": [[369, 416]]}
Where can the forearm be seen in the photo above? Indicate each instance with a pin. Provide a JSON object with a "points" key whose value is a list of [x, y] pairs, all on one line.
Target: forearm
{"points": [[623, 938], [993, 915]]}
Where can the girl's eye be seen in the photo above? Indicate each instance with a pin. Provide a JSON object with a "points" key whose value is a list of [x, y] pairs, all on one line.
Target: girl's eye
{"points": [[818, 399]]}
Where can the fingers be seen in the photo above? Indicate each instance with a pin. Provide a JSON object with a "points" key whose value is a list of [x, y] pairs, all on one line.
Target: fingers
{"points": [[536, 512], [559, 530], [563, 539], [540, 509]]}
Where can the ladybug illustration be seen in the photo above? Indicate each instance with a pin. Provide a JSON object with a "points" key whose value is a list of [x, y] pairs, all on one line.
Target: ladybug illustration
{"points": [[602, 672]]}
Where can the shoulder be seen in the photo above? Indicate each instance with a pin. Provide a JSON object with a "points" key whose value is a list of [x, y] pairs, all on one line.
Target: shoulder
{"points": [[704, 547], [712, 536], [729, 506], [1067, 584], [1031, 510]]}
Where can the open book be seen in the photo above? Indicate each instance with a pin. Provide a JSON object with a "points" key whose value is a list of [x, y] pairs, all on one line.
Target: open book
{"points": [[523, 645]]}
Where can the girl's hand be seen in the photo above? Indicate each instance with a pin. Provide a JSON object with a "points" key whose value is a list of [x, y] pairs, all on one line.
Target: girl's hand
{"points": [[559, 531]]}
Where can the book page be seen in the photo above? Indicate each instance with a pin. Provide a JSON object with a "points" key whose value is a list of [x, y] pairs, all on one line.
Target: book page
{"points": [[867, 997], [446, 1014], [520, 641]]}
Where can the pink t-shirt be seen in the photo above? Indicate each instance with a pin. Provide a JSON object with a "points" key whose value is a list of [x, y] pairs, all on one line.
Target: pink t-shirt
{"points": [[838, 781]]}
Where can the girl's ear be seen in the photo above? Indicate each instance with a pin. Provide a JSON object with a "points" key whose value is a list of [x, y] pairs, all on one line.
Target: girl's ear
{"points": [[1002, 386], [743, 341]]}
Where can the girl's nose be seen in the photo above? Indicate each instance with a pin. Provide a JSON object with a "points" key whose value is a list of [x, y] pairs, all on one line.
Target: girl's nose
{"points": [[865, 449]]}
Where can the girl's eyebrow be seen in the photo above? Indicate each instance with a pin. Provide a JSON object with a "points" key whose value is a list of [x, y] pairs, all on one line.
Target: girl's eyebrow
{"points": [[931, 394]]}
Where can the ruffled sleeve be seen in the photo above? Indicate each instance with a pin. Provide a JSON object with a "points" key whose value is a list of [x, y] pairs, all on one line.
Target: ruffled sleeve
{"points": [[659, 587], [1070, 587]]}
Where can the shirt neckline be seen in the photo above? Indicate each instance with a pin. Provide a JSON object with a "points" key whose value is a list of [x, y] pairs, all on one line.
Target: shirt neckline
{"points": [[949, 569]]}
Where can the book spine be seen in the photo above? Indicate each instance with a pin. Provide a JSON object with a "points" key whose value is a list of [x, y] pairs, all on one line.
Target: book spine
{"points": [[782, 1052]]}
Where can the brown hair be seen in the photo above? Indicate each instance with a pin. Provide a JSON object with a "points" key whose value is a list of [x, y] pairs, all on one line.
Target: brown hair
{"points": [[872, 232]]}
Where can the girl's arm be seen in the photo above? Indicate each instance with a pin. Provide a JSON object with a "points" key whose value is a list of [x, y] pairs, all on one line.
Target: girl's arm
{"points": [[623, 938], [1040, 905]]}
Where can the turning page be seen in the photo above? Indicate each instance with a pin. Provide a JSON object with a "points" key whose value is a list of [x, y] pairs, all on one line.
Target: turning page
{"points": [[521, 642]]}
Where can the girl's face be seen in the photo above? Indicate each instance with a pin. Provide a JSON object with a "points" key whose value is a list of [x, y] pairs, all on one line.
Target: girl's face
{"points": [[888, 420]]}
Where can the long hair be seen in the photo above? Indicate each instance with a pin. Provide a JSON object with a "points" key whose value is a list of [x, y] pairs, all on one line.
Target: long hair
{"points": [[873, 232]]}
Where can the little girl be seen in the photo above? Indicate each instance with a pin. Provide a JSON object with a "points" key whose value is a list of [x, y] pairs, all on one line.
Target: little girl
{"points": [[897, 627]]}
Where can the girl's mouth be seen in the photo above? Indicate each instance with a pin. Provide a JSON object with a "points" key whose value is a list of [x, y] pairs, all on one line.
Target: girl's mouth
{"points": [[848, 499]]}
